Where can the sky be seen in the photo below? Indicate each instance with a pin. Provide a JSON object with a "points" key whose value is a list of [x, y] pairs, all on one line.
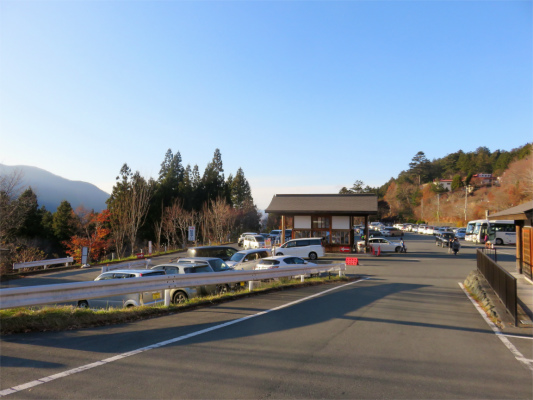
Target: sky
{"points": [[304, 96]]}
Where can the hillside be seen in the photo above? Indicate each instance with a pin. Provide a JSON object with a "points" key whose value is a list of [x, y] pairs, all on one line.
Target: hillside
{"points": [[418, 194], [51, 189]]}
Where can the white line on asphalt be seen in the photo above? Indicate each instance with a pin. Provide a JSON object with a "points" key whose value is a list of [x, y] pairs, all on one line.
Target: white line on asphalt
{"points": [[31, 384], [516, 336], [519, 356]]}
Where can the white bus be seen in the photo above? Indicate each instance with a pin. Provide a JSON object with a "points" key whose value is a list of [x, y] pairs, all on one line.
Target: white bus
{"points": [[498, 231]]}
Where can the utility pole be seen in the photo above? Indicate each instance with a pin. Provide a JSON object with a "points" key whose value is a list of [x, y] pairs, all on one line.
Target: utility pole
{"points": [[438, 207], [466, 196]]}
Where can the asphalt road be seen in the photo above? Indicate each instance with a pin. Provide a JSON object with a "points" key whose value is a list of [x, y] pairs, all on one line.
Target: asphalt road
{"points": [[407, 330]]}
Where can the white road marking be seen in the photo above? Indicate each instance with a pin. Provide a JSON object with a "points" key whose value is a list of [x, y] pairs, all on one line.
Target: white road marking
{"points": [[516, 336], [519, 356], [64, 374]]}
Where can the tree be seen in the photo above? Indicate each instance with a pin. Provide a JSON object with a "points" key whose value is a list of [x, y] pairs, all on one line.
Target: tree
{"points": [[241, 193], [128, 205], [13, 207], [64, 222], [457, 182], [419, 166]]}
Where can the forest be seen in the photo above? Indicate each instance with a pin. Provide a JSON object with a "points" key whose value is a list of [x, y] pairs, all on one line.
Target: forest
{"points": [[139, 210], [417, 194]]}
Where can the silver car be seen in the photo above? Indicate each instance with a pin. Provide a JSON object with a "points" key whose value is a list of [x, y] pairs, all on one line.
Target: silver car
{"points": [[189, 266], [125, 300], [247, 259]]}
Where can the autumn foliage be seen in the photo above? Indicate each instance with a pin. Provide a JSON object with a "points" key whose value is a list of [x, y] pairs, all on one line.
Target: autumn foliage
{"points": [[96, 237]]}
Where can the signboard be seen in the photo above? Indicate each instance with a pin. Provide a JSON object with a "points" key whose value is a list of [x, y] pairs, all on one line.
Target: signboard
{"points": [[345, 249], [84, 255], [140, 255], [192, 233]]}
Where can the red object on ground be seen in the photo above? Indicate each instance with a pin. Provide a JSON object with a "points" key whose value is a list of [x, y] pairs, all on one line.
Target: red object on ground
{"points": [[352, 261]]}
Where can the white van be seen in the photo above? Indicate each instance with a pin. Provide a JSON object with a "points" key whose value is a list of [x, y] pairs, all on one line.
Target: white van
{"points": [[306, 248], [254, 242]]}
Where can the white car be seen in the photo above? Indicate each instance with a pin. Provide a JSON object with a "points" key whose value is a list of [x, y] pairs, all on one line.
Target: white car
{"points": [[281, 261], [240, 241], [254, 242], [384, 245], [305, 247]]}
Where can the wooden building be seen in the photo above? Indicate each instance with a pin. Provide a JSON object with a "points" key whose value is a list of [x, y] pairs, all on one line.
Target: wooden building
{"points": [[329, 216], [522, 215]]}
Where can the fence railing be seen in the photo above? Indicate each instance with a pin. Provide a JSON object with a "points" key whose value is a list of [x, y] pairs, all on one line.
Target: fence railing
{"points": [[503, 283], [42, 263], [68, 292]]}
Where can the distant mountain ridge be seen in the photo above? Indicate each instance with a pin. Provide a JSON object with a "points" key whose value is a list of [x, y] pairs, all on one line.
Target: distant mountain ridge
{"points": [[52, 189]]}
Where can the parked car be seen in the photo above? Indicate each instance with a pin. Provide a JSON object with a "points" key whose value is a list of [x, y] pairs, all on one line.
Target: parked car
{"points": [[305, 247], [215, 265], [247, 259], [383, 244], [444, 239], [281, 261], [180, 295], [240, 241], [223, 252], [460, 233], [254, 242], [275, 235], [391, 231], [126, 300]]}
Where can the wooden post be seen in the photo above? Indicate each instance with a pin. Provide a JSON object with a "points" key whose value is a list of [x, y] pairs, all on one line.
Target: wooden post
{"points": [[282, 237]]}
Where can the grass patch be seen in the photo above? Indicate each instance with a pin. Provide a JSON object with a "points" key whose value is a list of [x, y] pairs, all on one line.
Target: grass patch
{"points": [[62, 318]]}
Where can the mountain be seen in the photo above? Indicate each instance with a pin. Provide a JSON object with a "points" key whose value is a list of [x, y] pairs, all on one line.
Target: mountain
{"points": [[51, 189]]}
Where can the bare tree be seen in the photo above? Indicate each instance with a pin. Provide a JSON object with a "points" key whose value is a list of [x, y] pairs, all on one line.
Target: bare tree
{"points": [[138, 203], [13, 207]]}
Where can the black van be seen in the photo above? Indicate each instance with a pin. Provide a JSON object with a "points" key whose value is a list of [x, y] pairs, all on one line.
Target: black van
{"points": [[223, 252]]}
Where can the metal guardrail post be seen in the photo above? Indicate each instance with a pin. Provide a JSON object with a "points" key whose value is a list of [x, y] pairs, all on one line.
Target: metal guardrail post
{"points": [[167, 297]]}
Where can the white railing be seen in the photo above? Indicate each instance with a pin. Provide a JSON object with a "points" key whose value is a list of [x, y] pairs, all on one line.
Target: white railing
{"points": [[44, 263], [68, 292]]}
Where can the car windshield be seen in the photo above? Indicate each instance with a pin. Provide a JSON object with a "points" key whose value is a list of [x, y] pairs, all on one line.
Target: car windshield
{"points": [[219, 265], [237, 257], [260, 238]]}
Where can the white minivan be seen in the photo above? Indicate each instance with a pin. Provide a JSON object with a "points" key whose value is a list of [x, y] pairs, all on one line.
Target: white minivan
{"points": [[305, 247]]}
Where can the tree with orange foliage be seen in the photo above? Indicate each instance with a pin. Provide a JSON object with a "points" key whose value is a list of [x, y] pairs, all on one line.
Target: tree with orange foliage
{"points": [[96, 237]]}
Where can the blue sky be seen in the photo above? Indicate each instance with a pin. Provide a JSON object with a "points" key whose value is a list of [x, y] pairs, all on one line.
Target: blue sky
{"points": [[305, 96]]}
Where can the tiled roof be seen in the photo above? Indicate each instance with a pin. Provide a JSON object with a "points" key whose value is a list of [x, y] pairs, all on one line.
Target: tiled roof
{"points": [[352, 204]]}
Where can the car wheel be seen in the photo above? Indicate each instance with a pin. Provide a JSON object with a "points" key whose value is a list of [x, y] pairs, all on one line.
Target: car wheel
{"points": [[499, 241], [83, 304], [179, 297], [397, 249], [312, 256], [223, 289], [279, 254]]}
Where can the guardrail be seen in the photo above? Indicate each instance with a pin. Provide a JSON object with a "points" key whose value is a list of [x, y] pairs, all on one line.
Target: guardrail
{"points": [[44, 263], [503, 283], [68, 292]]}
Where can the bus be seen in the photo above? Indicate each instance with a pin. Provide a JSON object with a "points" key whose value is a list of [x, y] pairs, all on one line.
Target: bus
{"points": [[499, 231]]}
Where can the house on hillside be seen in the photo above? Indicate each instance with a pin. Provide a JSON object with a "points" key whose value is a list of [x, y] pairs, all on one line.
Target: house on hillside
{"points": [[444, 183], [480, 180]]}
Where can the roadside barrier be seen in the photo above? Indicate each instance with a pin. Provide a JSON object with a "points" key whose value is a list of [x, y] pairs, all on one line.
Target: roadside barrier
{"points": [[352, 261], [68, 292]]}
